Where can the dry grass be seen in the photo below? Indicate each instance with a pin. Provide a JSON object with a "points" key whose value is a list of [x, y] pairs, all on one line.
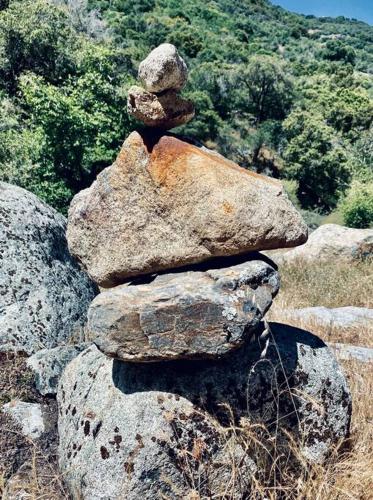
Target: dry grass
{"points": [[329, 284], [31, 466], [28, 469], [280, 474], [16, 379]]}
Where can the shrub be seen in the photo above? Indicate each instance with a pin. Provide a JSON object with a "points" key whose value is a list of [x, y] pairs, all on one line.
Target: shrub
{"points": [[357, 206], [291, 188]]}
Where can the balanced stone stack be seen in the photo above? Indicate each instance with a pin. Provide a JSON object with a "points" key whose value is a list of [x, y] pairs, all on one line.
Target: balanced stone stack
{"points": [[170, 232], [164, 74]]}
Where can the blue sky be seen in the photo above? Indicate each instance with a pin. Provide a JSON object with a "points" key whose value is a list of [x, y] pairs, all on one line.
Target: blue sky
{"points": [[359, 9]]}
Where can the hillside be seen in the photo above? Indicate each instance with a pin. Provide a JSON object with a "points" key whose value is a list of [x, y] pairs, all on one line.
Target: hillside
{"points": [[281, 93]]}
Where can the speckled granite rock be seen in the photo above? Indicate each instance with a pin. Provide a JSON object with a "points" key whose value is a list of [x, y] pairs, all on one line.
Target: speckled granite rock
{"points": [[330, 242], [347, 352], [164, 111], [201, 313], [165, 203], [48, 365], [342, 318], [29, 416], [126, 429], [163, 69], [44, 295]]}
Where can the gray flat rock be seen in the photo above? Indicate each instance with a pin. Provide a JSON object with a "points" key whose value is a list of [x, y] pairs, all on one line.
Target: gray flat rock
{"points": [[330, 242], [348, 352], [339, 317], [201, 313]]}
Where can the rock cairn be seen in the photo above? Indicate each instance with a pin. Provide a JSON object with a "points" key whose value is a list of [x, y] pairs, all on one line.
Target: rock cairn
{"points": [[170, 232]]}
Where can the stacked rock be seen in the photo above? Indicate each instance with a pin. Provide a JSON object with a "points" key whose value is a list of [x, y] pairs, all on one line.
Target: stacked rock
{"points": [[170, 233], [164, 74]]}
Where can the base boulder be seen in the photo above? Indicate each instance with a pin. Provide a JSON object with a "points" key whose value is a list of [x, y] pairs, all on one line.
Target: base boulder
{"points": [[141, 431]]}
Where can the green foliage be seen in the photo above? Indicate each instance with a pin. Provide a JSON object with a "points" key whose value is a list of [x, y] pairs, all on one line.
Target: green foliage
{"points": [[291, 187], [361, 157], [20, 153], [264, 89], [336, 50], [357, 206], [284, 94], [82, 122], [207, 123], [65, 115], [35, 36], [315, 160], [344, 103]]}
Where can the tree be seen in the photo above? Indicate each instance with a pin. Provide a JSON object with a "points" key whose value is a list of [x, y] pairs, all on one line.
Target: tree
{"points": [[35, 36], [361, 158], [315, 157], [60, 124], [83, 121], [83, 18], [335, 50], [357, 206], [22, 162], [264, 89], [342, 100]]}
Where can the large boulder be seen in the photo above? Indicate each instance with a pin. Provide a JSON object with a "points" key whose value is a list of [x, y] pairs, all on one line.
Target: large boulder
{"points": [[163, 69], [201, 313], [330, 242], [164, 111], [44, 295], [165, 203], [134, 431]]}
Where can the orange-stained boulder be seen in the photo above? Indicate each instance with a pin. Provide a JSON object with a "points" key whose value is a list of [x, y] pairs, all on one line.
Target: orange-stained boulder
{"points": [[165, 203]]}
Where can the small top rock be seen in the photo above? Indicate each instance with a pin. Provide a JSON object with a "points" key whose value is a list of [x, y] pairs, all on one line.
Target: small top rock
{"points": [[163, 69]]}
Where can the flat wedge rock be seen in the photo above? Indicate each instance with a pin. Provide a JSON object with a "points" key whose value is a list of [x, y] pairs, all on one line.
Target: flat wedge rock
{"points": [[163, 69], [183, 315], [165, 203], [164, 111]]}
